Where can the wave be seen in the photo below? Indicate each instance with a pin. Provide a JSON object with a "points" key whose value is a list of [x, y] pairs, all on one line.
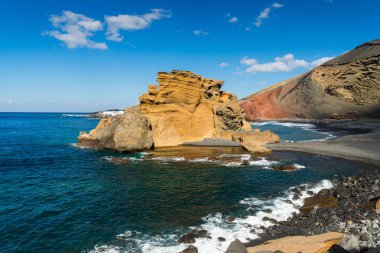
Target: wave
{"points": [[228, 160], [75, 115], [305, 126], [264, 213]]}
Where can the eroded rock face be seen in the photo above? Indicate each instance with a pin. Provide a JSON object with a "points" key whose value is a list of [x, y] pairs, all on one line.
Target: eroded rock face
{"points": [[186, 107], [346, 87], [253, 140], [130, 131]]}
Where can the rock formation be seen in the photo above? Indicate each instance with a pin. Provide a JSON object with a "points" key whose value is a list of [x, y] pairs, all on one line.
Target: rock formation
{"points": [[345, 87], [184, 107]]}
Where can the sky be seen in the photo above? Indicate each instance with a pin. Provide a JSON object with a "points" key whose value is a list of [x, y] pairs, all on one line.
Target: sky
{"points": [[91, 55]]}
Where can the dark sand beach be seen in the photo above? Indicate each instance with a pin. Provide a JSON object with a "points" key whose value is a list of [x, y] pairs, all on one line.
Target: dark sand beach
{"points": [[363, 147]]}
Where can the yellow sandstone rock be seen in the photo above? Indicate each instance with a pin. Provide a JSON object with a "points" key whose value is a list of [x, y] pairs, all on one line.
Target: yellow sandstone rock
{"points": [[184, 107], [187, 107], [305, 244]]}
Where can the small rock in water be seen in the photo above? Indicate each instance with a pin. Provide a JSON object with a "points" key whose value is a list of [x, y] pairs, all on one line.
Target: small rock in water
{"points": [[285, 167], [221, 239], [190, 237], [236, 247]]}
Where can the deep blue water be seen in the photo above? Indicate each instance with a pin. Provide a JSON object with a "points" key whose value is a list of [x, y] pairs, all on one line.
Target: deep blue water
{"points": [[55, 197]]}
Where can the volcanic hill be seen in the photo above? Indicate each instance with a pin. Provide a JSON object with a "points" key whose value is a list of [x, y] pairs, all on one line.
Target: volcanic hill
{"points": [[347, 86]]}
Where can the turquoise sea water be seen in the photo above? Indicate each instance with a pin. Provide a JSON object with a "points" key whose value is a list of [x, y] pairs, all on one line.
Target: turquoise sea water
{"points": [[56, 197]]}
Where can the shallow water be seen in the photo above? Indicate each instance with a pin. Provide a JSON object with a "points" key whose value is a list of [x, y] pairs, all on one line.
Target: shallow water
{"points": [[56, 197]]}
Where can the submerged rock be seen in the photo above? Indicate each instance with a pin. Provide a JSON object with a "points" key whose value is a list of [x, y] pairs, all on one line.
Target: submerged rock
{"points": [[183, 108]]}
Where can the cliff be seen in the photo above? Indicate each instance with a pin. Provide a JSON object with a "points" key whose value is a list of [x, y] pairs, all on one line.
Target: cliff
{"points": [[345, 87], [183, 107]]}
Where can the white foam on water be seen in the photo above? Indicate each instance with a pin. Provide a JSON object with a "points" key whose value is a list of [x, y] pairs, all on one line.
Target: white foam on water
{"points": [[299, 166], [168, 158], [75, 115], [243, 228], [305, 126], [79, 146], [263, 162], [111, 113]]}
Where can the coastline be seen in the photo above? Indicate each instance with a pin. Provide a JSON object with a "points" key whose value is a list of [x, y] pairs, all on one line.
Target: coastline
{"points": [[352, 212], [362, 147]]}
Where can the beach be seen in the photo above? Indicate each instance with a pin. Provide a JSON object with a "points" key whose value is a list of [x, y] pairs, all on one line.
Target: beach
{"points": [[363, 147]]}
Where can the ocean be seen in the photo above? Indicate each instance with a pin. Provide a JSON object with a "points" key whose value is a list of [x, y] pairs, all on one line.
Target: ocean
{"points": [[56, 197]]}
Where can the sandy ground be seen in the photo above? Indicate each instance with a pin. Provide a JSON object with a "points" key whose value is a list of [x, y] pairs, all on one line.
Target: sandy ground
{"points": [[358, 147]]}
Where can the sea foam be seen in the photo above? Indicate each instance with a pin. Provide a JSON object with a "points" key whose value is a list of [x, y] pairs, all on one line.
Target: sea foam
{"points": [[242, 228]]}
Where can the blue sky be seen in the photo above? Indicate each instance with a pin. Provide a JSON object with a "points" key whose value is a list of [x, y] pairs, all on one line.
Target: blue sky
{"points": [[89, 55]]}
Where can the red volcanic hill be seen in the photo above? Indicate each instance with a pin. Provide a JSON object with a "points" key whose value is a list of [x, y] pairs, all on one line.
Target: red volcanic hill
{"points": [[347, 86]]}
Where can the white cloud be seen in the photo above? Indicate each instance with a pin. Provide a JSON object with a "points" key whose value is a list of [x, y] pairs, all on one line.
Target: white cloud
{"points": [[320, 61], [200, 32], [233, 20], [132, 22], [280, 64], [264, 14], [224, 64], [75, 30], [248, 61]]}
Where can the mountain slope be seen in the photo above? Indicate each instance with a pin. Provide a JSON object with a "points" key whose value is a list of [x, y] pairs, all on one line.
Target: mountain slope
{"points": [[345, 87]]}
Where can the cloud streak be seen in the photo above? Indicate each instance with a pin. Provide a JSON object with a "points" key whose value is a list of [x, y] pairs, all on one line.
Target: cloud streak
{"points": [[200, 32], [75, 30], [264, 14], [132, 22], [285, 63]]}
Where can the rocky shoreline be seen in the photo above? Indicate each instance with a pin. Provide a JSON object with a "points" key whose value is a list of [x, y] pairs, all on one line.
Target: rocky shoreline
{"points": [[351, 211]]}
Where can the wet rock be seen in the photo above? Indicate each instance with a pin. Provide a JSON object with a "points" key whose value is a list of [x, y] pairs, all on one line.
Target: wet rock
{"points": [[192, 235], [190, 249], [324, 199], [236, 247], [221, 239], [188, 238], [231, 219], [284, 167]]}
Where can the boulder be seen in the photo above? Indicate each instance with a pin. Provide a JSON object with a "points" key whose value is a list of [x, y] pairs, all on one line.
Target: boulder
{"points": [[190, 249], [236, 247], [305, 244], [253, 140], [324, 199], [350, 243], [130, 131]]}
